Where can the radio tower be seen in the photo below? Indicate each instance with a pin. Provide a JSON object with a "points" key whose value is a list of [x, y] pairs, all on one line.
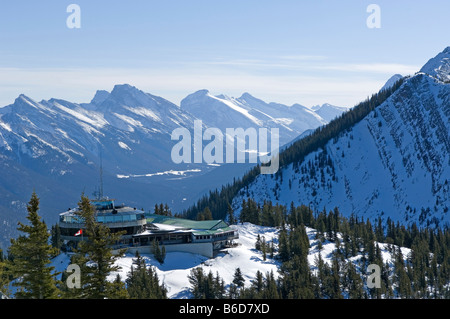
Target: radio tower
{"points": [[101, 175], [99, 193]]}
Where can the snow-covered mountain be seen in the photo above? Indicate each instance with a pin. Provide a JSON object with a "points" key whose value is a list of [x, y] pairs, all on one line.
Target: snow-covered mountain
{"points": [[55, 147], [247, 111], [439, 66], [389, 83], [394, 163], [329, 112]]}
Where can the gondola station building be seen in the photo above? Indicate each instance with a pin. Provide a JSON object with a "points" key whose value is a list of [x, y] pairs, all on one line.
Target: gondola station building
{"points": [[142, 229]]}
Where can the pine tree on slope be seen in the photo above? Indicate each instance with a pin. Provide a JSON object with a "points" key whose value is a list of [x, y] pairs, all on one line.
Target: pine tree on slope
{"points": [[31, 258]]}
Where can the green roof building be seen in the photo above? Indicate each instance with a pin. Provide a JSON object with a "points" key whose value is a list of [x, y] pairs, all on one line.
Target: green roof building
{"points": [[177, 234], [141, 230]]}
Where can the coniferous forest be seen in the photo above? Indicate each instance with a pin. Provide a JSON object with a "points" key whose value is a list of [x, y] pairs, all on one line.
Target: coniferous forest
{"points": [[218, 200], [423, 273], [359, 245], [27, 265]]}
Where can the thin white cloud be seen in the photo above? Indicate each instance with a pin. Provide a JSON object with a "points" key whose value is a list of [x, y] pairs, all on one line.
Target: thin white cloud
{"points": [[383, 68], [307, 88], [304, 57], [309, 64]]}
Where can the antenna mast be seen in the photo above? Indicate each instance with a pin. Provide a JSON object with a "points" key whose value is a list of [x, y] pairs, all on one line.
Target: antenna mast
{"points": [[99, 193], [101, 175]]}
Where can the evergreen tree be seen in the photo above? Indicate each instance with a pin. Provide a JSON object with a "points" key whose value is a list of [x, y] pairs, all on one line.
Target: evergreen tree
{"points": [[401, 277], [335, 280], [243, 216], [95, 256], [258, 242], [283, 250], [118, 290], [167, 211], [270, 289], [205, 214], [159, 253], [4, 277], [196, 278], [218, 287], [258, 284], [296, 281], [206, 286], [264, 248], [31, 258], [142, 282], [238, 279], [320, 278], [230, 213], [354, 283], [56, 236], [163, 254]]}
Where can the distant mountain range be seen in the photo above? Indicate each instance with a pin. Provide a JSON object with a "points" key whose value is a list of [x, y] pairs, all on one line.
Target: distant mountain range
{"points": [[56, 147]]}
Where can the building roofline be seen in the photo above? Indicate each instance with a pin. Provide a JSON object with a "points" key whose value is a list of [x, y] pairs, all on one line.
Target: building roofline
{"points": [[185, 223]]}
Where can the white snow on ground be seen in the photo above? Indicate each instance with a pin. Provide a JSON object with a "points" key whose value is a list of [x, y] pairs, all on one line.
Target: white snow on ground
{"points": [[178, 265], [329, 247]]}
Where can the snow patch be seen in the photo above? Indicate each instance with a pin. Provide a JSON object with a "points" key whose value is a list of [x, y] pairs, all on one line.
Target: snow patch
{"points": [[124, 146], [171, 172]]}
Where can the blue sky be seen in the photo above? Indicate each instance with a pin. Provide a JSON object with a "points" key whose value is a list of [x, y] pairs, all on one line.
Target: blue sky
{"points": [[288, 51]]}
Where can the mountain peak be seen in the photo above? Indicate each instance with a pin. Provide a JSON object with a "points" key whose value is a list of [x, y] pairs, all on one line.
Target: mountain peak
{"points": [[22, 98], [201, 92], [124, 88], [194, 97], [100, 96], [439, 66], [125, 94], [392, 80], [247, 95]]}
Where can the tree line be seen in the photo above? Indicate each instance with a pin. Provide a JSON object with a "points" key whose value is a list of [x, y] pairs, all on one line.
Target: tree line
{"points": [[27, 264], [423, 273], [218, 200]]}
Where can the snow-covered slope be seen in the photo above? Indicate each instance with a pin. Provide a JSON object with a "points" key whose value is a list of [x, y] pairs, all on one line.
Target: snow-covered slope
{"points": [[55, 148], [177, 266], [391, 81], [394, 163], [329, 112], [439, 66]]}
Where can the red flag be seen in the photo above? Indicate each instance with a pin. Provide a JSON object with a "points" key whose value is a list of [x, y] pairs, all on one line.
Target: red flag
{"points": [[78, 233]]}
